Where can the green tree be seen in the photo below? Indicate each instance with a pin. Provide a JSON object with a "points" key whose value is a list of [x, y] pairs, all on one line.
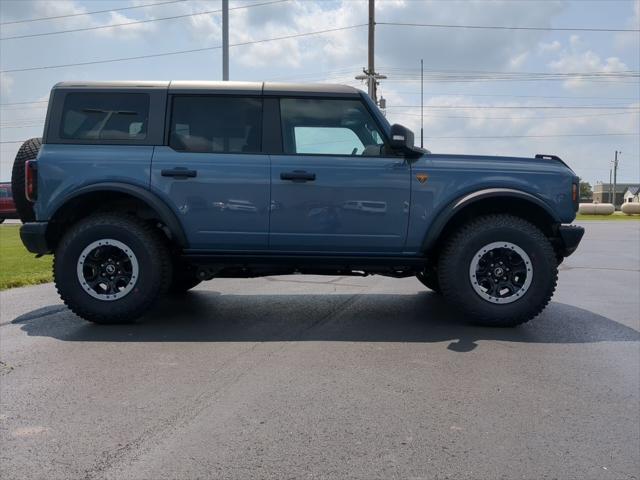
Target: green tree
{"points": [[586, 193]]}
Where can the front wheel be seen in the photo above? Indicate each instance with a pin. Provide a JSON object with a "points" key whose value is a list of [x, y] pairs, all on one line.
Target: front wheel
{"points": [[499, 269], [111, 268]]}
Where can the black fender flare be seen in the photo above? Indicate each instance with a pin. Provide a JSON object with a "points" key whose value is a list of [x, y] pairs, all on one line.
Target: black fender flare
{"points": [[450, 210], [165, 213]]}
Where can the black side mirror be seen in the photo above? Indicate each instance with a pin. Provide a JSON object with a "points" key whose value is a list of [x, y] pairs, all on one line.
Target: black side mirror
{"points": [[401, 138]]}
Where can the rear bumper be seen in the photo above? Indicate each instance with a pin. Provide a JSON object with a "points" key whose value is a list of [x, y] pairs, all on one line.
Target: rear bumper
{"points": [[570, 236], [33, 236]]}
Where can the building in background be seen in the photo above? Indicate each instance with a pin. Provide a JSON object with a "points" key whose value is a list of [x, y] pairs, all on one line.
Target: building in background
{"points": [[632, 195], [602, 192]]}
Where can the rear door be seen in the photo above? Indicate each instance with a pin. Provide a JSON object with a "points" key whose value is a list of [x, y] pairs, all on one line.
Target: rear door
{"points": [[334, 188], [213, 172]]}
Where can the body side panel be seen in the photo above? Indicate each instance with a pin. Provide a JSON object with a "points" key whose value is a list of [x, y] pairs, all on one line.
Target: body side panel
{"points": [[226, 206], [65, 169], [452, 177], [355, 204]]}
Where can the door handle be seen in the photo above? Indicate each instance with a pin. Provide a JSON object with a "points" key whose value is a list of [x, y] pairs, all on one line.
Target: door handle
{"points": [[179, 172], [298, 176]]}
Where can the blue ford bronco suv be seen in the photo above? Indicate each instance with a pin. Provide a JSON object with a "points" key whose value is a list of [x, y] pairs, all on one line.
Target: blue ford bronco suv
{"points": [[140, 189]]}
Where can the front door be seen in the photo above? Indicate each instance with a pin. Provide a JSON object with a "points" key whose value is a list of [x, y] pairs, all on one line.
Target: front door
{"points": [[334, 190], [213, 174]]}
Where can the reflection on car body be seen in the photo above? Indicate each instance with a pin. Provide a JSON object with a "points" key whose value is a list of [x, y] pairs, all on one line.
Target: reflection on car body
{"points": [[366, 206]]}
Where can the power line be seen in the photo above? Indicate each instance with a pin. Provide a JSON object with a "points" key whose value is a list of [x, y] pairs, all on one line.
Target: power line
{"points": [[23, 103], [28, 20], [523, 107], [32, 125], [459, 94], [620, 77], [545, 117], [541, 136], [179, 52], [137, 22], [501, 27]]}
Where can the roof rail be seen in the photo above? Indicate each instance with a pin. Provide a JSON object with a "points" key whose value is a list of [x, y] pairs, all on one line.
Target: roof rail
{"points": [[548, 157]]}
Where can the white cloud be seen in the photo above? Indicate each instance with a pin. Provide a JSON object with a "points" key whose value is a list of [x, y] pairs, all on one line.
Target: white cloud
{"points": [[281, 20], [395, 45], [6, 84], [126, 31], [554, 46], [629, 40], [48, 8], [516, 62], [576, 59]]}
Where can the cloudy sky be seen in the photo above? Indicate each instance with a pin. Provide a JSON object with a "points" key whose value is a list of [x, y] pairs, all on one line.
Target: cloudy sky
{"points": [[572, 93]]}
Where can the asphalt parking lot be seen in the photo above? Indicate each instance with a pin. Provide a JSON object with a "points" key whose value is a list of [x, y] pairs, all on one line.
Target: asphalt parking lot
{"points": [[331, 377]]}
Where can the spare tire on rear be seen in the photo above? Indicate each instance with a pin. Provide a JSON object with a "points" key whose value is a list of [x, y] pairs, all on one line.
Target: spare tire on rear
{"points": [[28, 151]]}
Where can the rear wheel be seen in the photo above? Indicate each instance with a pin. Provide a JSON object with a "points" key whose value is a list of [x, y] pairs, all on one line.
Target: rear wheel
{"points": [[111, 268], [28, 151], [499, 269]]}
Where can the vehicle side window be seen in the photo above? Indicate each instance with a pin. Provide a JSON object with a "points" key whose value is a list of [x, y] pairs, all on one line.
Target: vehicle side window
{"points": [[216, 124], [330, 127], [105, 116]]}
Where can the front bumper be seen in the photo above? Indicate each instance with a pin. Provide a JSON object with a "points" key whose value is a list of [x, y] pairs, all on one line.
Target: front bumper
{"points": [[570, 236], [33, 236]]}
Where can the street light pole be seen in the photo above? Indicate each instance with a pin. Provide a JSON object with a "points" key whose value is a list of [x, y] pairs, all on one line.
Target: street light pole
{"points": [[371, 60], [369, 74], [615, 176], [421, 103], [225, 40], [610, 184]]}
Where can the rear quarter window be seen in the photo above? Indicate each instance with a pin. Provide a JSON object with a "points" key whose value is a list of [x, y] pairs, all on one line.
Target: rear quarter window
{"points": [[105, 116], [216, 124]]}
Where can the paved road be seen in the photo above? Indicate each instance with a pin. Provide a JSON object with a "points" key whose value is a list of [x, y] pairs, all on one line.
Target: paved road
{"points": [[331, 377]]}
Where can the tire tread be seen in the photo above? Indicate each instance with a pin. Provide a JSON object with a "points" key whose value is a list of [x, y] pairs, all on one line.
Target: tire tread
{"points": [[463, 235], [28, 151], [156, 246]]}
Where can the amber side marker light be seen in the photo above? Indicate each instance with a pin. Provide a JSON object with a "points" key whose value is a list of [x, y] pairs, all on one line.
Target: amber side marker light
{"points": [[574, 192], [31, 180]]}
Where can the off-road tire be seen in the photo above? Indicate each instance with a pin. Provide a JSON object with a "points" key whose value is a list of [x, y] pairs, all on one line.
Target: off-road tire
{"points": [[455, 262], [429, 278], [184, 277], [28, 151], [149, 248]]}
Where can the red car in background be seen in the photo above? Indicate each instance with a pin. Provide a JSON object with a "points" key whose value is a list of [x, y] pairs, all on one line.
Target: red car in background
{"points": [[7, 207]]}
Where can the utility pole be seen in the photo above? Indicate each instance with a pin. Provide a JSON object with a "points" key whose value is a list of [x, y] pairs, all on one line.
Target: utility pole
{"points": [[421, 103], [610, 184], [225, 40], [370, 74], [615, 176]]}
